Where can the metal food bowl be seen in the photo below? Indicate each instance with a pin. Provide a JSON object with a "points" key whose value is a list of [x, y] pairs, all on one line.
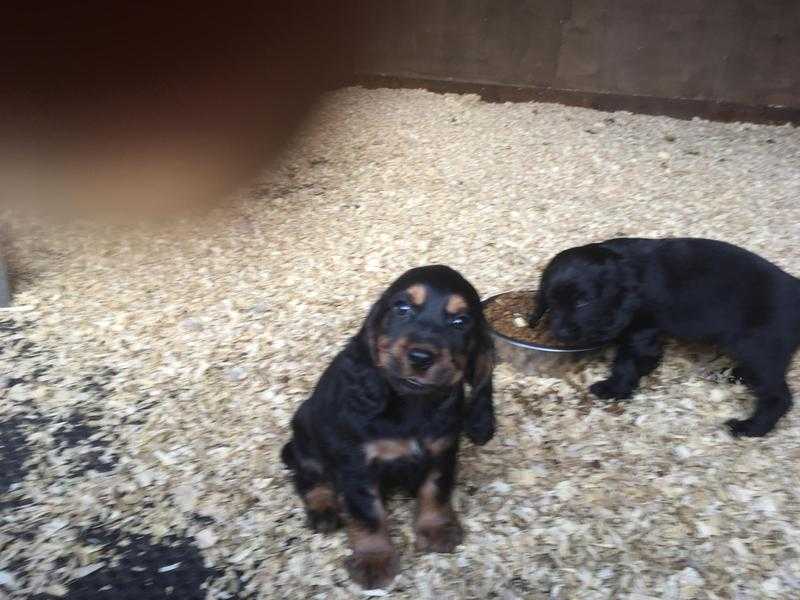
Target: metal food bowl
{"points": [[536, 359]]}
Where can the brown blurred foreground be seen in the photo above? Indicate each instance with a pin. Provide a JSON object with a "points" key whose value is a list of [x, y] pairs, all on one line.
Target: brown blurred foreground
{"points": [[129, 109]]}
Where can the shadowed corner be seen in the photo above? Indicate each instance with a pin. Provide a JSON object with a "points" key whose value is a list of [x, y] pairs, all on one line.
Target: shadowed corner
{"points": [[151, 110]]}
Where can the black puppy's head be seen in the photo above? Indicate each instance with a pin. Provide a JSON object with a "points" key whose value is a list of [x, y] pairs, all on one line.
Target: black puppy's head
{"points": [[591, 293], [427, 333]]}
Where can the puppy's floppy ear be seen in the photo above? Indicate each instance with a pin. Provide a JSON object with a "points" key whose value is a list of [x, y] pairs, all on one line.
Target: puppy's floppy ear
{"points": [[539, 309], [366, 397], [371, 328], [480, 424], [541, 298]]}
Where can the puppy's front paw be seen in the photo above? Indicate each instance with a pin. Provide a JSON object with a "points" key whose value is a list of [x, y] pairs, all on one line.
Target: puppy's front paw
{"points": [[481, 428], [747, 428], [373, 569], [441, 537], [611, 389]]}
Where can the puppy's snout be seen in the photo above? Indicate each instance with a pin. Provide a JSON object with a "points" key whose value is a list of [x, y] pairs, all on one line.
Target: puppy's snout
{"points": [[421, 358]]}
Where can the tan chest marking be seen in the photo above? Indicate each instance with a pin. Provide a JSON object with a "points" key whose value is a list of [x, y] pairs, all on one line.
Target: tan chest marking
{"points": [[391, 449]]}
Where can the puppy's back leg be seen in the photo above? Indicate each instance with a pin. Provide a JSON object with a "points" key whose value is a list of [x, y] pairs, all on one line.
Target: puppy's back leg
{"points": [[374, 562], [766, 370], [312, 485], [771, 404]]}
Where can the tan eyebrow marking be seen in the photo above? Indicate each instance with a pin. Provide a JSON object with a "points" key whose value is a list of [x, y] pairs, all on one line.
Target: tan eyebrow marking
{"points": [[456, 304], [417, 293]]}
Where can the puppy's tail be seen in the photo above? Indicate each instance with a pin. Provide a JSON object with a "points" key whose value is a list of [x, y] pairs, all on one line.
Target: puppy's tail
{"points": [[287, 456]]}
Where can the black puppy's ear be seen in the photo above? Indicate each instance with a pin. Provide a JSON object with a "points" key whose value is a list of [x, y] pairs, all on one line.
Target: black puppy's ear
{"points": [[539, 309], [371, 329], [480, 424], [541, 298]]}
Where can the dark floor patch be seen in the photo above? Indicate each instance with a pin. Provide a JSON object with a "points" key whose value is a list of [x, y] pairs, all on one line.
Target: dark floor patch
{"points": [[14, 345], [14, 451], [40, 373], [202, 519], [12, 381], [15, 503], [75, 433], [143, 406], [26, 349], [140, 569], [100, 384], [11, 326]]}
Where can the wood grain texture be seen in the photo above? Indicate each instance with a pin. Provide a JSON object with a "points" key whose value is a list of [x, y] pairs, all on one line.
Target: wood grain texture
{"points": [[740, 52]]}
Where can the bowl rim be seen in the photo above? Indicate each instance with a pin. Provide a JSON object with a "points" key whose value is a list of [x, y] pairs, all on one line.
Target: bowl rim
{"points": [[530, 345]]}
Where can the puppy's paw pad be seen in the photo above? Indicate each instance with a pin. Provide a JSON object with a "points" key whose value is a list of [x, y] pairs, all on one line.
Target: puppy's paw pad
{"points": [[323, 521], [442, 538], [373, 570], [609, 389], [746, 428]]}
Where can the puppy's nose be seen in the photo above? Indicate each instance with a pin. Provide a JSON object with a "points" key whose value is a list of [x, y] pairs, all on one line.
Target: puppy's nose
{"points": [[420, 358]]}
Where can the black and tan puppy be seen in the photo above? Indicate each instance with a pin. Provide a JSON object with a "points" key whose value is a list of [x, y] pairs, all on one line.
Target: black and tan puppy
{"points": [[389, 411], [636, 291]]}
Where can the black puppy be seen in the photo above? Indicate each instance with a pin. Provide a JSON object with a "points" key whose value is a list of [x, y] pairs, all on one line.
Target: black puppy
{"points": [[389, 411], [635, 291]]}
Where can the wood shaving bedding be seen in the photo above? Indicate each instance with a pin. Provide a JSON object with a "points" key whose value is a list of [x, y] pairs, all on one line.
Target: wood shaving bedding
{"points": [[148, 385]]}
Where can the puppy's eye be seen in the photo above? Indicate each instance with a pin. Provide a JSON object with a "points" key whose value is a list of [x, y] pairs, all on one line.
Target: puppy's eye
{"points": [[460, 321], [402, 308]]}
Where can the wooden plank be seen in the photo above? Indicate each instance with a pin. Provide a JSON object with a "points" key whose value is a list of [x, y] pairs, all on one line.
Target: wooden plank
{"points": [[736, 53], [475, 39]]}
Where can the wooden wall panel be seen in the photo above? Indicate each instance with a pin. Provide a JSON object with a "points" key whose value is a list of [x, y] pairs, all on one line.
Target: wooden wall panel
{"points": [[743, 52]]}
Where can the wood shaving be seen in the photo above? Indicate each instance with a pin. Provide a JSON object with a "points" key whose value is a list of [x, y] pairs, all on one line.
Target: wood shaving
{"points": [[149, 381]]}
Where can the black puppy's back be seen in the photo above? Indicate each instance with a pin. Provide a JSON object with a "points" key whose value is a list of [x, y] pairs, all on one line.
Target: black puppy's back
{"points": [[636, 291], [710, 290]]}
